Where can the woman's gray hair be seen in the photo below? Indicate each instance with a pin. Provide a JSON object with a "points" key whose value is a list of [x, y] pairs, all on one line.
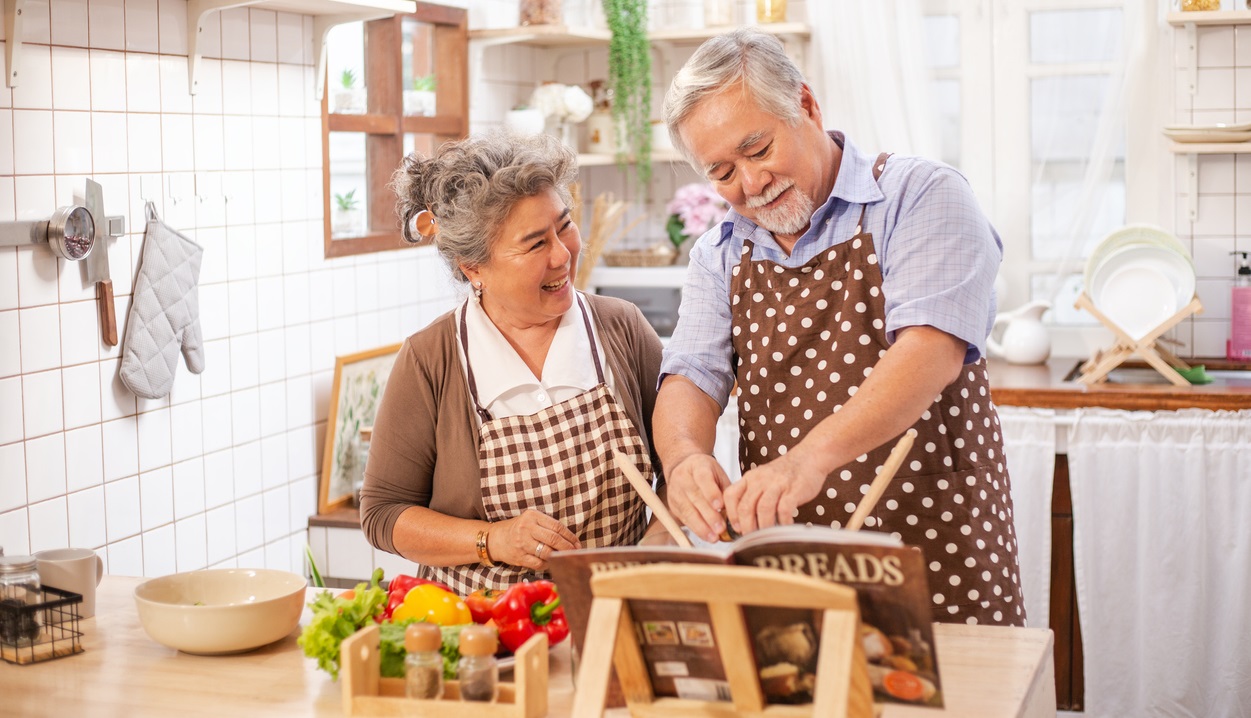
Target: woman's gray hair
{"points": [[747, 57], [471, 185]]}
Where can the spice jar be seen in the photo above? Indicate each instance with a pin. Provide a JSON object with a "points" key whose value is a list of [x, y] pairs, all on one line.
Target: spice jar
{"points": [[478, 671], [19, 588], [770, 11], [1200, 5], [423, 666], [540, 12]]}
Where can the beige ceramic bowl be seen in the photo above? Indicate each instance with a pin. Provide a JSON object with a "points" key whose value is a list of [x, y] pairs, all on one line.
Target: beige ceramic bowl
{"points": [[219, 611]]}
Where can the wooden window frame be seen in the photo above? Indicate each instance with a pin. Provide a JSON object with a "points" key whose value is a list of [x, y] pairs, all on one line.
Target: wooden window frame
{"points": [[384, 123]]}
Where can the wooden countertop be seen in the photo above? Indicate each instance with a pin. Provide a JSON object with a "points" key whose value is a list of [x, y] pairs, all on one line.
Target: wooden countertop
{"points": [[987, 671], [1133, 387]]}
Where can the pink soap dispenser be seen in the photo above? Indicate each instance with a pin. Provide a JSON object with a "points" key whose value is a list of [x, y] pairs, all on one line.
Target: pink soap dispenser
{"points": [[1239, 346]]}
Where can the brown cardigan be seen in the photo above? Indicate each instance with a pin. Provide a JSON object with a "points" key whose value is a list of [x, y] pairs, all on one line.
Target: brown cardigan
{"points": [[424, 450]]}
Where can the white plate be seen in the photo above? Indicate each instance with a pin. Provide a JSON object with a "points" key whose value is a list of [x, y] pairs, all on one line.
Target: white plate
{"points": [[1133, 234], [1138, 287], [1217, 126], [1208, 135]]}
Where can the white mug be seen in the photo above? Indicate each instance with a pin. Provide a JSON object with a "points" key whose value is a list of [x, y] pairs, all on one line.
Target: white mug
{"points": [[72, 569]]}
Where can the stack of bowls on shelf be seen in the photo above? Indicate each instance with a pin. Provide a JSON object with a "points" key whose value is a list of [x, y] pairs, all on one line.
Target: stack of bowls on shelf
{"points": [[1138, 277]]}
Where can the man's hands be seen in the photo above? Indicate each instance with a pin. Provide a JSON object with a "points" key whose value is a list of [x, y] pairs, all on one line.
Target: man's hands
{"points": [[771, 494], [695, 487]]}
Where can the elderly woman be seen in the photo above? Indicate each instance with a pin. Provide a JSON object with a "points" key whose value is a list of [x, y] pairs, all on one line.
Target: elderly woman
{"points": [[493, 444]]}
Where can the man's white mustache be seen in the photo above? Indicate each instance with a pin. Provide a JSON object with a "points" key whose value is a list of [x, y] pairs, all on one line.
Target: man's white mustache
{"points": [[771, 193]]}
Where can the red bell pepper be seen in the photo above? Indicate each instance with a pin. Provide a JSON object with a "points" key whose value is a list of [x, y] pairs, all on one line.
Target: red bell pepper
{"points": [[399, 588], [529, 608], [481, 602]]}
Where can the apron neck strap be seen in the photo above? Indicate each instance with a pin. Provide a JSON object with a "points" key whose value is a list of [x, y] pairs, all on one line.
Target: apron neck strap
{"points": [[485, 415], [879, 165]]}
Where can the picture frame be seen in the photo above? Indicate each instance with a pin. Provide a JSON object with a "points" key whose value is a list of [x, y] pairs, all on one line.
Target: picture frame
{"points": [[359, 382]]}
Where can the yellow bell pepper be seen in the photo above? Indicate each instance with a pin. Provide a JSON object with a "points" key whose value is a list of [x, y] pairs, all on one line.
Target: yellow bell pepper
{"points": [[432, 604]]}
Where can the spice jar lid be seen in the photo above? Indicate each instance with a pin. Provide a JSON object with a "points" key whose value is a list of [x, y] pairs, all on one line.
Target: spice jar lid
{"points": [[421, 637], [478, 640], [367, 433], [17, 564]]}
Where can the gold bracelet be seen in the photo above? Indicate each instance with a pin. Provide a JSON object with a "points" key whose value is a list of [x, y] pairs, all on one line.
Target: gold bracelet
{"points": [[484, 554]]}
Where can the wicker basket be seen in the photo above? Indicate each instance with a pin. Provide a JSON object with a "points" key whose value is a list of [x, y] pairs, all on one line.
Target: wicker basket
{"points": [[640, 258]]}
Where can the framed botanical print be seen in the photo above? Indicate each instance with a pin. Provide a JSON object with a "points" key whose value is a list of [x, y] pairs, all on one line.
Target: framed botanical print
{"points": [[359, 381]]}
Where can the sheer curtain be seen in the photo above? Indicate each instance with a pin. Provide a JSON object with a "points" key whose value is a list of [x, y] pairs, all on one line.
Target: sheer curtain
{"points": [[1029, 442], [866, 63], [1162, 544]]}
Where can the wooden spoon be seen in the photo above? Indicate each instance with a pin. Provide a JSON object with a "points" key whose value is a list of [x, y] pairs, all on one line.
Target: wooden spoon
{"points": [[892, 464], [650, 498]]}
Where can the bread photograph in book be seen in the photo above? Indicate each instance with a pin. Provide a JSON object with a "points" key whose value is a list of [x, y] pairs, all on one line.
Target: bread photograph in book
{"points": [[680, 647], [896, 625]]}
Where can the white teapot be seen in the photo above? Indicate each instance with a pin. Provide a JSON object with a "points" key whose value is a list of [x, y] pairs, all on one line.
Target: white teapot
{"points": [[1025, 337]]}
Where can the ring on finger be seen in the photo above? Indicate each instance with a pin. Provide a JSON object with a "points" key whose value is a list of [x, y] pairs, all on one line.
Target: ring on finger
{"points": [[538, 550]]}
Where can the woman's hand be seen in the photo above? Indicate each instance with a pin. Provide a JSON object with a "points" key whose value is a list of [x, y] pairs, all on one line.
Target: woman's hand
{"points": [[529, 540]]}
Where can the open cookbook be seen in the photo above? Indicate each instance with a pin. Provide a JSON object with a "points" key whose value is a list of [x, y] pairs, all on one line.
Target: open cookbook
{"points": [[679, 645]]}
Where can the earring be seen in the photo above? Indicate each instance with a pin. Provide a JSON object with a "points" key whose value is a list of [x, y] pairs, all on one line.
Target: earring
{"points": [[477, 291]]}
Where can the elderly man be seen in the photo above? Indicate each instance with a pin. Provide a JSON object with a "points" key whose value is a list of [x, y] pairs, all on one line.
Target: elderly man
{"points": [[849, 299]]}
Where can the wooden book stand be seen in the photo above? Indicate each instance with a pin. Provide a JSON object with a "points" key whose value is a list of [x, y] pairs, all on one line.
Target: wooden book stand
{"points": [[842, 684], [1096, 369], [366, 693]]}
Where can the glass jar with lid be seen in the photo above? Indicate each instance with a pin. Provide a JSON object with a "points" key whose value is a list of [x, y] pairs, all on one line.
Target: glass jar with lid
{"points": [[19, 588]]}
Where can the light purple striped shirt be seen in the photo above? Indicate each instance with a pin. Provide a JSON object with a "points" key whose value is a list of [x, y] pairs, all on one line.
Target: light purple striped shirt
{"points": [[937, 250]]}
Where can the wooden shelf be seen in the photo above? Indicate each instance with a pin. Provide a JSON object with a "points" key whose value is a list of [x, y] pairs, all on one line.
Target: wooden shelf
{"points": [[564, 36], [336, 7], [546, 36], [1209, 148], [603, 160], [1210, 17]]}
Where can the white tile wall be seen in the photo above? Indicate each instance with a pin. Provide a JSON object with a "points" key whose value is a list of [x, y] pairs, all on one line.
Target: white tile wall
{"points": [[1223, 223], [224, 471]]}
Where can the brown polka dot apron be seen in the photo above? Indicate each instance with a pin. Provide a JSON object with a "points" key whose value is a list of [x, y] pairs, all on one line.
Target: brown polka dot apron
{"points": [[804, 338], [558, 461]]}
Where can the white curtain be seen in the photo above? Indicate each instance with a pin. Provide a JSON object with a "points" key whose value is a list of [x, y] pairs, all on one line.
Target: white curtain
{"points": [[866, 64], [1029, 437], [1162, 544]]}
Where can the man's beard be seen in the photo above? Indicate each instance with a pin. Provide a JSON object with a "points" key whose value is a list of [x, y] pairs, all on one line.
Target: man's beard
{"points": [[790, 217]]}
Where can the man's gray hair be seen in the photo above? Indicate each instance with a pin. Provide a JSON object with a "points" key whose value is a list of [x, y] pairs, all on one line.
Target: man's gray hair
{"points": [[471, 185], [754, 60]]}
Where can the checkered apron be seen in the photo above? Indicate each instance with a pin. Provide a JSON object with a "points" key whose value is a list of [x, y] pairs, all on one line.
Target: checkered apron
{"points": [[804, 339], [558, 461]]}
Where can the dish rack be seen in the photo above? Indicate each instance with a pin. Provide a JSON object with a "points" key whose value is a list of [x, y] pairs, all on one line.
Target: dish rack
{"points": [[59, 635], [1097, 368], [367, 693]]}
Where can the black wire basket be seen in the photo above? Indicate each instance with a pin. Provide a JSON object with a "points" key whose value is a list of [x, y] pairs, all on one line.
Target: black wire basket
{"points": [[41, 631]]}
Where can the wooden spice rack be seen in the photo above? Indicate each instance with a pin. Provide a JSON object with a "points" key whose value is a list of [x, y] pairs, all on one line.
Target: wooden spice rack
{"points": [[842, 689], [367, 693]]}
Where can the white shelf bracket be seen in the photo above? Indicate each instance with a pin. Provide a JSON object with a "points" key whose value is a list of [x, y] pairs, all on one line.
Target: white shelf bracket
{"points": [[1192, 185], [197, 11], [12, 49], [1192, 58], [322, 24]]}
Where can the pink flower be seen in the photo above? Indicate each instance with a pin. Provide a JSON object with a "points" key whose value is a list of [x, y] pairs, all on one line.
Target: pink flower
{"points": [[697, 207]]}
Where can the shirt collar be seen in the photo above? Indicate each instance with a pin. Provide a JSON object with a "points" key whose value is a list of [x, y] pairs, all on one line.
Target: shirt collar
{"points": [[567, 361], [853, 185]]}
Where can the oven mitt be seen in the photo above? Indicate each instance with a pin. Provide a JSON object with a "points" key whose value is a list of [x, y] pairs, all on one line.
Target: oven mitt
{"points": [[164, 312]]}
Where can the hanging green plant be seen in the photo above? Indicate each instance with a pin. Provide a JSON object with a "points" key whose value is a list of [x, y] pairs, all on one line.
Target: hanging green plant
{"points": [[630, 76]]}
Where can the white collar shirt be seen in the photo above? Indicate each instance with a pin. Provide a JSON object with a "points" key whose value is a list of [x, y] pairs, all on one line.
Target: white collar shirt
{"points": [[507, 387]]}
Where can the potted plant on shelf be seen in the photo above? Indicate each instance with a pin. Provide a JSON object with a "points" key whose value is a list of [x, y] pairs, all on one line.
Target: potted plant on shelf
{"points": [[420, 99], [694, 209], [630, 78], [348, 98], [344, 220]]}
